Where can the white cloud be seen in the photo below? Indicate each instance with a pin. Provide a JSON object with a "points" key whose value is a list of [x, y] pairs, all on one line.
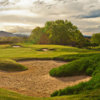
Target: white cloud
{"points": [[83, 13]]}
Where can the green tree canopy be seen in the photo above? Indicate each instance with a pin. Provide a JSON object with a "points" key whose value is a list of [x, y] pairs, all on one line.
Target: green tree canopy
{"points": [[36, 34], [59, 32], [96, 38]]}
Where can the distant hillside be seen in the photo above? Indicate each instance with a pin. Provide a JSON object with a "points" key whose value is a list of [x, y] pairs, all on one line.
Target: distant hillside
{"points": [[6, 34], [22, 35], [86, 36]]}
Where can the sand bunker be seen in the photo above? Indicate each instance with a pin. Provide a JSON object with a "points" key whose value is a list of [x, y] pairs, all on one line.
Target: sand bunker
{"points": [[36, 81], [46, 49], [16, 46]]}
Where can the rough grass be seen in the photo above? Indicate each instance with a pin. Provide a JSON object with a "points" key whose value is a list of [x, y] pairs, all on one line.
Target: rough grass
{"points": [[74, 56], [88, 65], [10, 95], [11, 65]]}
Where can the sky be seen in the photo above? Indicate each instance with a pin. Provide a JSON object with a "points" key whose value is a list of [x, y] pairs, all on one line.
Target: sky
{"points": [[21, 16]]}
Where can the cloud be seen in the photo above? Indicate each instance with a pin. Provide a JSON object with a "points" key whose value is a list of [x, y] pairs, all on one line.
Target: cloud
{"points": [[83, 13], [92, 14]]}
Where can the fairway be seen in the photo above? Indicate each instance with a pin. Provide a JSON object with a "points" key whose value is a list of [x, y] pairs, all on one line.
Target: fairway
{"points": [[29, 51]]}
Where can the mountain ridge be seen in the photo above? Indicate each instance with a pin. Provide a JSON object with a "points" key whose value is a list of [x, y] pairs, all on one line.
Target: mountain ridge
{"points": [[6, 34]]}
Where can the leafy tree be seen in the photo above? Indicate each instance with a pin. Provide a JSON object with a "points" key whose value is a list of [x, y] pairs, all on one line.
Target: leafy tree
{"points": [[59, 32], [36, 34], [96, 39], [44, 39], [64, 33]]}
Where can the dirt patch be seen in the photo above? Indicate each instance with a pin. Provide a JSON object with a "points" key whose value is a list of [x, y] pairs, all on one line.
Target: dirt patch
{"points": [[36, 81]]}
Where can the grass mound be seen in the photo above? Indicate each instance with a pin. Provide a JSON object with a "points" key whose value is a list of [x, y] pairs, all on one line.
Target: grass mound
{"points": [[11, 65], [88, 66]]}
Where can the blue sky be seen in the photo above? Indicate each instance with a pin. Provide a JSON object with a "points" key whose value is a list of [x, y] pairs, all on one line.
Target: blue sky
{"points": [[23, 15]]}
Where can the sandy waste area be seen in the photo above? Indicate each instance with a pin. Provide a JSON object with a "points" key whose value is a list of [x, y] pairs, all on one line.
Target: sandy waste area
{"points": [[36, 81]]}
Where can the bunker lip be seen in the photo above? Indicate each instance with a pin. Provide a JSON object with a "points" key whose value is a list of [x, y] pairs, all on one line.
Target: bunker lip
{"points": [[36, 81]]}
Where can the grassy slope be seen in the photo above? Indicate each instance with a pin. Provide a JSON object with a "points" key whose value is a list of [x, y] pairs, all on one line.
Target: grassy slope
{"points": [[88, 65], [10, 65], [9, 95]]}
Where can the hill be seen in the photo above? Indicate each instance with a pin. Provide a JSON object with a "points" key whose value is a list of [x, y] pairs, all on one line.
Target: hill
{"points": [[6, 34]]}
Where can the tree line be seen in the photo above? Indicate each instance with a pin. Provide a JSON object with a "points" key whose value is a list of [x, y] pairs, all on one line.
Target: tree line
{"points": [[11, 40], [60, 32]]}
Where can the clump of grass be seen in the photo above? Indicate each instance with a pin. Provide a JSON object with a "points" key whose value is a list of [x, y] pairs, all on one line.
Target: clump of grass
{"points": [[88, 66], [11, 65]]}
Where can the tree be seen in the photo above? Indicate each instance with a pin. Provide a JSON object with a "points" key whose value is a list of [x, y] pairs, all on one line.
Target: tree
{"points": [[64, 33], [96, 39], [59, 32], [44, 39], [39, 36]]}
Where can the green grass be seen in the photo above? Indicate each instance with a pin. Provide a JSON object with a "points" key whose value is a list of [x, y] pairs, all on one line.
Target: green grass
{"points": [[10, 65], [10, 95], [72, 57], [4, 46], [66, 53], [31, 51], [84, 66]]}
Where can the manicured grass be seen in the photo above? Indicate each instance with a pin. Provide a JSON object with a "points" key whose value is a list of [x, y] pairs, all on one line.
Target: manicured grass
{"points": [[88, 66], [10, 65], [31, 51], [4, 46]]}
